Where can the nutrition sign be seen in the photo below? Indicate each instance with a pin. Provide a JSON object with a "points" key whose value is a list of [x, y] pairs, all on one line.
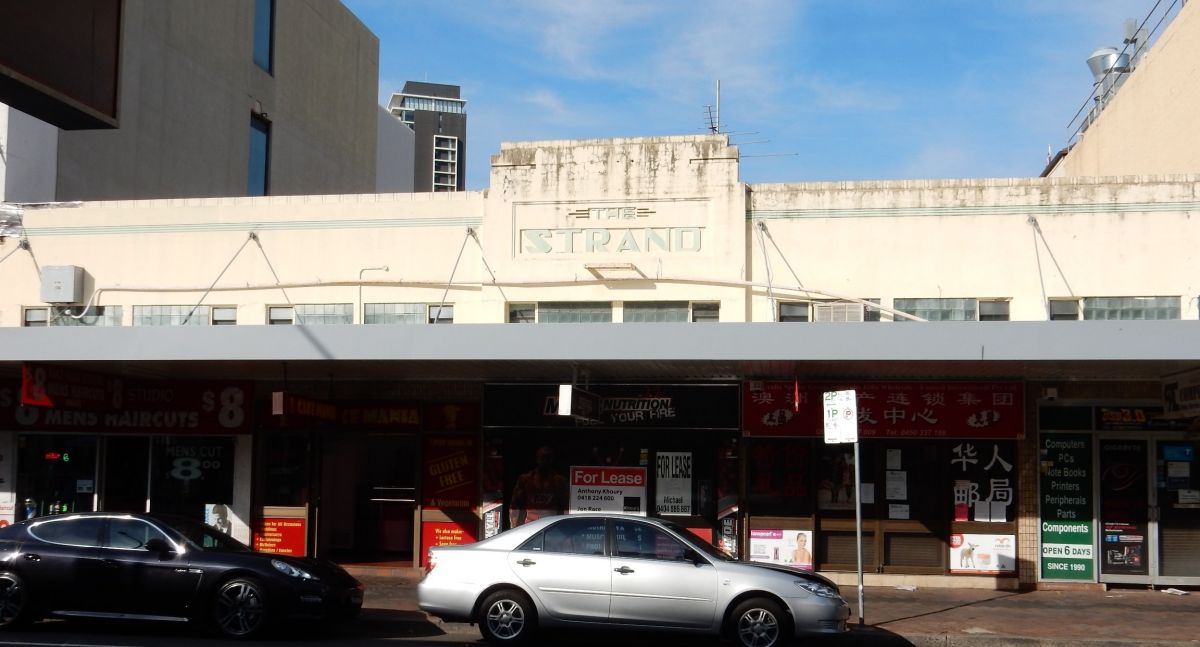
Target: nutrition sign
{"points": [[1066, 507]]}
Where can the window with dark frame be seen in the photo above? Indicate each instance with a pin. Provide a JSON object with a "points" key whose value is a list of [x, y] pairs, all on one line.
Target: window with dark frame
{"points": [[522, 313], [706, 312], [36, 317], [280, 316], [993, 310], [258, 175], [441, 314], [793, 311], [264, 34], [1064, 309]]}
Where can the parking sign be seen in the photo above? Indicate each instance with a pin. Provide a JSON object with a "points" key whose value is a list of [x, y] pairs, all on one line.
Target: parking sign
{"points": [[841, 417]]}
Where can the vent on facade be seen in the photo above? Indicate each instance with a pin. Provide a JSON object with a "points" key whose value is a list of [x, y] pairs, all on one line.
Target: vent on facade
{"points": [[838, 311]]}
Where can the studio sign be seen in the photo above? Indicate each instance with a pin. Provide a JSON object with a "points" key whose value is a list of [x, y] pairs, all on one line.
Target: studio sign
{"points": [[617, 239]]}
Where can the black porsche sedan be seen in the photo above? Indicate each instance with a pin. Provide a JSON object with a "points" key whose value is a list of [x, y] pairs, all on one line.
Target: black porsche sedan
{"points": [[145, 567]]}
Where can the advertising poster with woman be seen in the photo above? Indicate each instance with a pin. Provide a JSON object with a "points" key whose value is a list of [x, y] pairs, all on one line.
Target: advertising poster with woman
{"points": [[782, 546]]}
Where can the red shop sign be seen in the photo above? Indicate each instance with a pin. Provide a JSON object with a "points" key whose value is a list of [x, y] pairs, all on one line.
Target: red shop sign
{"points": [[890, 409], [444, 533], [451, 471], [282, 536]]}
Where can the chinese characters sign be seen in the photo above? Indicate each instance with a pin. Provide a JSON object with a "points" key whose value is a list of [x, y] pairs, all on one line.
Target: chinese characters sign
{"points": [[984, 477], [890, 409]]}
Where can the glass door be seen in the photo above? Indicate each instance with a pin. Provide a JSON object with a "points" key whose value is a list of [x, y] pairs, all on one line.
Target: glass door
{"points": [[125, 486], [1125, 503], [1177, 510]]}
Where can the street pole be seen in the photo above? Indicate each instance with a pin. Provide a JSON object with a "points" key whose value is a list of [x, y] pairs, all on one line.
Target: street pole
{"points": [[858, 532]]}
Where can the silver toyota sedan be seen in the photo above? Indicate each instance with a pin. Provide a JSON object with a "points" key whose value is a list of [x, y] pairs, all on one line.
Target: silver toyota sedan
{"points": [[609, 570]]}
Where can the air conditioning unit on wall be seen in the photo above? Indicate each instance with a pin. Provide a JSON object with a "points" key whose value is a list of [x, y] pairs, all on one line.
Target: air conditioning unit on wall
{"points": [[62, 284], [838, 311]]}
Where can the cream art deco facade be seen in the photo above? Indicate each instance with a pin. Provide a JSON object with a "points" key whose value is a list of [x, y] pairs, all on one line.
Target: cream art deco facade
{"points": [[708, 314]]}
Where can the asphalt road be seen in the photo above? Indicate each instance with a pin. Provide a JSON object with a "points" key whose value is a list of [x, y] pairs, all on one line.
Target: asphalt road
{"points": [[376, 627]]}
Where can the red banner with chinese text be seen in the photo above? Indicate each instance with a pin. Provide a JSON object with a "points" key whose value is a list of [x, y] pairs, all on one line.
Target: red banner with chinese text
{"points": [[890, 409]]}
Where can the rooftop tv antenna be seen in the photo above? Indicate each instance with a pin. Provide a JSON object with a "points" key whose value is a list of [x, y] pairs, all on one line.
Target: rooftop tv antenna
{"points": [[714, 113]]}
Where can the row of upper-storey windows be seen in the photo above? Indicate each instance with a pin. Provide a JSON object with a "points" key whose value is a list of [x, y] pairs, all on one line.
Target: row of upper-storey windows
{"points": [[929, 309], [311, 314]]}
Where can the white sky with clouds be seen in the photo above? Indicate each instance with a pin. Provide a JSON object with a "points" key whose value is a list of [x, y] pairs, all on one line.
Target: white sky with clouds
{"points": [[839, 89]]}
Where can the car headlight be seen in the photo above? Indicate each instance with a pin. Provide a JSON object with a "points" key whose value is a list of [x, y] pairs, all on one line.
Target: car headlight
{"points": [[816, 588], [291, 571]]}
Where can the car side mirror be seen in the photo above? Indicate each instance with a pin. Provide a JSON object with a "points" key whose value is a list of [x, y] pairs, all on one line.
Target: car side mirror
{"points": [[160, 546], [694, 557]]}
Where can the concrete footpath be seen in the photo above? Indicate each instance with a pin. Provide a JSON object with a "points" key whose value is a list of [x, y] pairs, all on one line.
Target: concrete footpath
{"points": [[923, 617]]}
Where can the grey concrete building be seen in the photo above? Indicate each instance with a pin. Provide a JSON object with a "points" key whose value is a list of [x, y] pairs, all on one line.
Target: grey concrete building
{"points": [[217, 98], [438, 117]]}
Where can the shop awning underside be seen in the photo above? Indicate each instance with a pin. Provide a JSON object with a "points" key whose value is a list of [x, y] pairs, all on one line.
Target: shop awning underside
{"points": [[1056, 350]]}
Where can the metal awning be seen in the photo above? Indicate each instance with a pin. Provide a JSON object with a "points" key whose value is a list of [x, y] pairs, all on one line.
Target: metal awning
{"points": [[1058, 350]]}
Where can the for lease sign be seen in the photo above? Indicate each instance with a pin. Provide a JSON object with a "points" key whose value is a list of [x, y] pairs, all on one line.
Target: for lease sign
{"points": [[608, 489]]}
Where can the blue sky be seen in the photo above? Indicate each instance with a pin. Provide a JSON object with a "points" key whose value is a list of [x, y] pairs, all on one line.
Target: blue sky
{"points": [[810, 89]]}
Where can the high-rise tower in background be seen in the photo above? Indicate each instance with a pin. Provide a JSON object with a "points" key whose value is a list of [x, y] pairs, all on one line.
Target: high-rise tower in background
{"points": [[438, 117]]}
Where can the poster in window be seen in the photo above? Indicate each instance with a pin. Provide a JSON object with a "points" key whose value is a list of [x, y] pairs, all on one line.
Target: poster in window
{"points": [[673, 486], [984, 480], [608, 489], [993, 554], [781, 546]]}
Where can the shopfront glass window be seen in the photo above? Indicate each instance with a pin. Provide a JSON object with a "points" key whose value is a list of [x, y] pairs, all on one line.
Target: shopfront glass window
{"points": [[56, 473], [779, 477], [190, 475], [285, 476]]}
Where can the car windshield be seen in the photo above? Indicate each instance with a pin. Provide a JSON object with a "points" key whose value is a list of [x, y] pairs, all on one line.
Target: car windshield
{"points": [[702, 546], [204, 537]]}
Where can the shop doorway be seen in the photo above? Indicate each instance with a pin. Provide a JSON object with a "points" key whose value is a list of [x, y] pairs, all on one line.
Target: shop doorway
{"points": [[125, 484], [1149, 510], [368, 498]]}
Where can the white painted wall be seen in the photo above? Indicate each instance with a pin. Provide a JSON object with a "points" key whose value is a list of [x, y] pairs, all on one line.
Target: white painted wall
{"points": [[1133, 236]]}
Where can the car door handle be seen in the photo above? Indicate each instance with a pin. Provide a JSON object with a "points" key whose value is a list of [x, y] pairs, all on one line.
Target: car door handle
{"points": [[33, 557], [110, 563], [624, 570], [526, 562]]}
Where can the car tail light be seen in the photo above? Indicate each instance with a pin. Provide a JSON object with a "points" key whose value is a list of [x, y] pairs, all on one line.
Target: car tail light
{"points": [[430, 562]]}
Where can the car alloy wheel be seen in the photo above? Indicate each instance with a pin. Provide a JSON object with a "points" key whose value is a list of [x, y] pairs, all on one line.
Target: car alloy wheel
{"points": [[13, 599], [240, 610], [506, 617], [759, 623]]}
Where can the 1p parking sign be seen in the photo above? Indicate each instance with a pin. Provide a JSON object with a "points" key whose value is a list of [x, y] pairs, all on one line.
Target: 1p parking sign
{"points": [[841, 417]]}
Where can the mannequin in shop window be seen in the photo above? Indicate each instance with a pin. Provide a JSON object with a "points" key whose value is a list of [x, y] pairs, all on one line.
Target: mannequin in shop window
{"points": [[540, 492]]}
